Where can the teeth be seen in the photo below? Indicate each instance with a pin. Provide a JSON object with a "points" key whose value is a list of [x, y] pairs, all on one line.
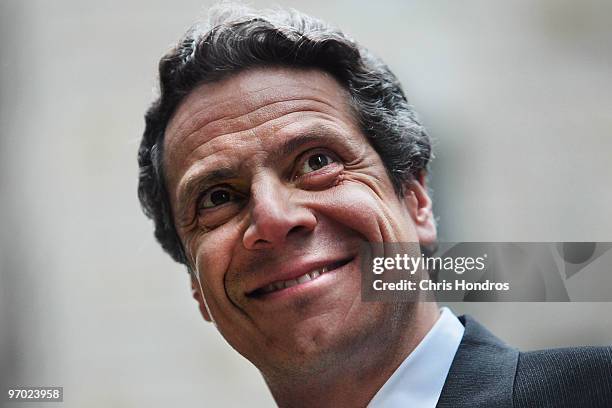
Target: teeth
{"points": [[304, 278], [290, 283], [293, 282]]}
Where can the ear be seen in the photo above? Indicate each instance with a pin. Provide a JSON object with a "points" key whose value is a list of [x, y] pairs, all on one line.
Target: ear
{"points": [[197, 295], [420, 208]]}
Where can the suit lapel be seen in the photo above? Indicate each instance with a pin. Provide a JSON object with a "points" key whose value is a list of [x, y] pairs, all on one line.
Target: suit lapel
{"points": [[482, 373]]}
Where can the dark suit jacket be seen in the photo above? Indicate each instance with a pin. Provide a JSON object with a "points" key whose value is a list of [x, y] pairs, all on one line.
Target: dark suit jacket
{"points": [[488, 373]]}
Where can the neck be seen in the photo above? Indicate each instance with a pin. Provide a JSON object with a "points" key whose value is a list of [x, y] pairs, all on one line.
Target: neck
{"points": [[354, 379]]}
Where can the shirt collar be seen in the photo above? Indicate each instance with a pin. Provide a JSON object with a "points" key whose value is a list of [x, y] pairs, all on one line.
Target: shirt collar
{"points": [[419, 380]]}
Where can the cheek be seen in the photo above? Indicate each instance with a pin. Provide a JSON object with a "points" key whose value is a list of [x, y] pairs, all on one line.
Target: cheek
{"points": [[213, 254], [375, 216]]}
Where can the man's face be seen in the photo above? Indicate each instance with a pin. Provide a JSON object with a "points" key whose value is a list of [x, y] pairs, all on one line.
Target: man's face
{"points": [[274, 190]]}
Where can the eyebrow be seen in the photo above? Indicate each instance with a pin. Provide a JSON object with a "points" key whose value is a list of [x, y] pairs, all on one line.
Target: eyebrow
{"points": [[294, 144], [199, 181], [306, 136]]}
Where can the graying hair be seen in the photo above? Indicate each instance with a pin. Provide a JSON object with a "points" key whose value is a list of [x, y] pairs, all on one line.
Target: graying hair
{"points": [[237, 38]]}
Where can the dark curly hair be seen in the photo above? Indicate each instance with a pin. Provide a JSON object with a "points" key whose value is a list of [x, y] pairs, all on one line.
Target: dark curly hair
{"points": [[238, 38]]}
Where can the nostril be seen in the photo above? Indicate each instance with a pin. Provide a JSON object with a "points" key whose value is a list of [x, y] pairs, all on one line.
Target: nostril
{"points": [[297, 230], [261, 242], [272, 224]]}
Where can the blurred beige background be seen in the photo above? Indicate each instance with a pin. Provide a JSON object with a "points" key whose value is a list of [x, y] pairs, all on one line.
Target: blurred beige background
{"points": [[517, 94]]}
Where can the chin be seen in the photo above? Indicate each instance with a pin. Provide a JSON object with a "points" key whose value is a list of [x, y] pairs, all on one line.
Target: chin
{"points": [[314, 347]]}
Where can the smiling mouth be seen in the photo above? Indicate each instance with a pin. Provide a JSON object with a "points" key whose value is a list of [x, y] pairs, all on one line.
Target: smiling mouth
{"points": [[307, 277]]}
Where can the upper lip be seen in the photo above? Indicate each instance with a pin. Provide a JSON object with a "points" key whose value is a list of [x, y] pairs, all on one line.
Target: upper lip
{"points": [[295, 269]]}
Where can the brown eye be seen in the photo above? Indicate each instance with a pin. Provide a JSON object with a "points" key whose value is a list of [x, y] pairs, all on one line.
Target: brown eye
{"points": [[318, 161], [315, 162], [217, 197]]}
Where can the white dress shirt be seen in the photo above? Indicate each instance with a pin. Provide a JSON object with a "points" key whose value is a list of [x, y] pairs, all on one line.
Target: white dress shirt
{"points": [[418, 381]]}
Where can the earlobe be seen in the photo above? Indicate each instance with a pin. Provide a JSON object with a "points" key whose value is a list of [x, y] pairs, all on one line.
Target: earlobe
{"points": [[199, 297], [421, 211]]}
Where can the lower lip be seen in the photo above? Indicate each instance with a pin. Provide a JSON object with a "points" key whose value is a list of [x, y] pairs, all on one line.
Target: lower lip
{"points": [[306, 287]]}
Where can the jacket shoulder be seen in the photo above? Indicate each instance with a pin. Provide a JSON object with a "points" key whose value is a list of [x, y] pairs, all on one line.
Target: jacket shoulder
{"points": [[482, 372], [564, 377]]}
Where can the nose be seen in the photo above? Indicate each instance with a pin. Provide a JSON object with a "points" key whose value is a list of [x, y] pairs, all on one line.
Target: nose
{"points": [[275, 217]]}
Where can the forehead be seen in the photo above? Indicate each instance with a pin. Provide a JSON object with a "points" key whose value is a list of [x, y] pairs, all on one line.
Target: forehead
{"points": [[258, 98]]}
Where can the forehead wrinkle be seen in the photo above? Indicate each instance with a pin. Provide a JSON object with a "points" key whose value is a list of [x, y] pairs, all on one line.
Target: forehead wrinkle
{"points": [[218, 143], [257, 117], [210, 99], [242, 120]]}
